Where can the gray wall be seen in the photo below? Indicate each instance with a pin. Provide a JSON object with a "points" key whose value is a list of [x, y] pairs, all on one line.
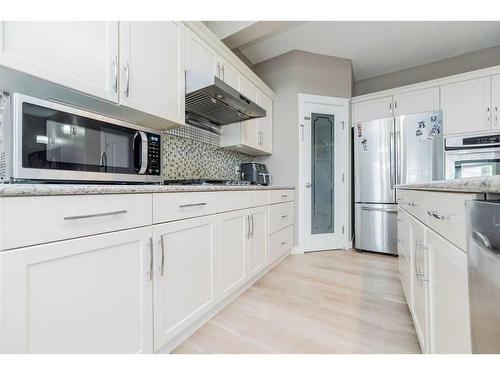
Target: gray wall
{"points": [[288, 75], [454, 65]]}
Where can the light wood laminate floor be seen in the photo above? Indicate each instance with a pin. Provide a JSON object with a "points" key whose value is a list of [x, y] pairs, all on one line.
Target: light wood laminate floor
{"points": [[325, 302]]}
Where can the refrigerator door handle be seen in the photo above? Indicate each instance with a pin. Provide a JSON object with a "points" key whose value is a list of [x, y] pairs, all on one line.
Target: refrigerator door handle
{"points": [[391, 160], [399, 153], [365, 208]]}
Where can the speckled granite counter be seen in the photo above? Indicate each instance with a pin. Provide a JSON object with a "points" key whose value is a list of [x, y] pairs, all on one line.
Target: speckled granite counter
{"points": [[467, 185], [12, 190]]}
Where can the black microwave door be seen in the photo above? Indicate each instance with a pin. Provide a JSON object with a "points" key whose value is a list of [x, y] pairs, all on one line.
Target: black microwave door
{"points": [[58, 140]]}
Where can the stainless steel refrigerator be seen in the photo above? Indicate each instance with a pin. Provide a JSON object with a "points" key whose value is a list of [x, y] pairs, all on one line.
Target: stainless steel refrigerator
{"points": [[397, 150]]}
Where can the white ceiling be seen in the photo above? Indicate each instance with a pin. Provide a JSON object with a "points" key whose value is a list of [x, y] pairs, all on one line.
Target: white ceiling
{"points": [[376, 48]]}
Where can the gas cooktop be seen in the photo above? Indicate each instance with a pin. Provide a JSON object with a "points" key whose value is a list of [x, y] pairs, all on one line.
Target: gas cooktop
{"points": [[204, 181]]}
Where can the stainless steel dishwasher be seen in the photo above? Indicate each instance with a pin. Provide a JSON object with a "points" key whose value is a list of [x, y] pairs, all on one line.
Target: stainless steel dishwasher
{"points": [[483, 257]]}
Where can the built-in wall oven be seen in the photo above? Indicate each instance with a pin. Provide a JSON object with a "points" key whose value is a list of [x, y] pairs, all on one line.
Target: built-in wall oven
{"points": [[474, 156], [48, 141]]}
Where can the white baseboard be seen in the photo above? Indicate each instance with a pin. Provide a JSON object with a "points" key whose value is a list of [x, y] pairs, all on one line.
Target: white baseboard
{"points": [[181, 337]]}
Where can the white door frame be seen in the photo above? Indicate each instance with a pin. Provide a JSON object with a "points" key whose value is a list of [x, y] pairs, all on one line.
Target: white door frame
{"points": [[344, 103]]}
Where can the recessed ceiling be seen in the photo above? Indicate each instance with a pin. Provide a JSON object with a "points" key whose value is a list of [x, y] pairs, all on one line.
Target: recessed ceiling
{"points": [[375, 48]]}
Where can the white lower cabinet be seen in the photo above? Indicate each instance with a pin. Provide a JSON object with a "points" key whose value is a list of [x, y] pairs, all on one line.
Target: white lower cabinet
{"points": [[257, 246], [449, 299], [184, 268], [419, 285], [88, 295], [439, 297]]}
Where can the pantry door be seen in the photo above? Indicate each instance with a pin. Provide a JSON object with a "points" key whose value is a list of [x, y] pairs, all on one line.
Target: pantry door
{"points": [[323, 167]]}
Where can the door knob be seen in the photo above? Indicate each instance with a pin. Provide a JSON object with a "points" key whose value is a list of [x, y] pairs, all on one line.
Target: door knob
{"points": [[308, 185]]}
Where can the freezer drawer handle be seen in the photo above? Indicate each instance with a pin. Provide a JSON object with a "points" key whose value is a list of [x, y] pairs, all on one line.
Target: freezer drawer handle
{"points": [[379, 209]]}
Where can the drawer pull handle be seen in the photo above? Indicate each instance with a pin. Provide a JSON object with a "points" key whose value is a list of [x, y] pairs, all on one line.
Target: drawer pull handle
{"points": [[413, 204], [284, 196], [112, 213], [162, 267], [435, 215], [283, 217], [283, 243], [192, 205]]}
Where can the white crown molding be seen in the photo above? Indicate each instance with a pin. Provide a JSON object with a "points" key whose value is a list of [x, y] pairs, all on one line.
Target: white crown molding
{"points": [[428, 84]]}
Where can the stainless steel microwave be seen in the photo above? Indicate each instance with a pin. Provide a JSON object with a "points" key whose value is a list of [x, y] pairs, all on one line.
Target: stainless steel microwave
{"points": [[47, 141], [472, 156]]}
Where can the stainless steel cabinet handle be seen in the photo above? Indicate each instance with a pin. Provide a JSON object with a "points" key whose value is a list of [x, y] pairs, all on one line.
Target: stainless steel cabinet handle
{"points": [[283, 243], [127, 80], [115, 72], [395, 106], [496, 115], [162, 267], [436, 215], [192, 205], [223, 73], [112, 213], [284, 217], [150, 258], [390, 107], [364, 208], [248, 226], [253, 226], [284, 196], [488, 112], [413, 204], [218, 69]]}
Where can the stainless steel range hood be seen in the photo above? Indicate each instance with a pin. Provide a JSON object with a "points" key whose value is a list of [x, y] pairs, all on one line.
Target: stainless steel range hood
{"points": [[213, 99]]}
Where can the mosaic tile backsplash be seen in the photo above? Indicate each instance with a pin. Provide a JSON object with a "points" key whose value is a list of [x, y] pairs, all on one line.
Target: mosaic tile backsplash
{"points": [[187, 158]]}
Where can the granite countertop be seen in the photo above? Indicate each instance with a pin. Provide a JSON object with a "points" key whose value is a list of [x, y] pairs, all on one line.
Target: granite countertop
{"points": [[464, 185], [23, 189]]}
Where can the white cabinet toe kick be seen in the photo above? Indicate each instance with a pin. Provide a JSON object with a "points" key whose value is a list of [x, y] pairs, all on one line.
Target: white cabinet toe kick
{"points": [[131, 273]]}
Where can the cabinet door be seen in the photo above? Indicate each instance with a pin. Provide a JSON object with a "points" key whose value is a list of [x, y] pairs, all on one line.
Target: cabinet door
{"points": [[266, 124], [152, 68], [372, 109], [79, 55], [184, 275], [250, 128], [257, 249], [419, 282], [448, 297], [466, 106], [230, 75], [200, 57], [416, 101], [495, 101], [233, 233], [88, 295]]}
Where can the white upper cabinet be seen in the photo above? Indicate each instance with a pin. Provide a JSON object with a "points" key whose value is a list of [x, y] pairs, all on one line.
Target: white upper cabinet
{"points": [[184, 269], [152, 68], [466, 106], [229, 75], [200, 57], [79, 55], [265, 124], [87, 295], [416, 101], [495, 101], [449, 301], [373, 109]]}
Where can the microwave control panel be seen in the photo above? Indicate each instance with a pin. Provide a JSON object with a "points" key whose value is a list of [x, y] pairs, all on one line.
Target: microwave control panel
{"points": [[154, 154]]}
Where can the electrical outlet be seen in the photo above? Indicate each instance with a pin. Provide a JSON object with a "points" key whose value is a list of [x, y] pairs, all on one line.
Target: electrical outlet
{"points": [[237, 169]]}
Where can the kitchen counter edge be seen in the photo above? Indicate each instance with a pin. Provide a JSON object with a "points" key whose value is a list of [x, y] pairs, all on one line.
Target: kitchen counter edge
{"points": [[17, 190], [489, 185]]}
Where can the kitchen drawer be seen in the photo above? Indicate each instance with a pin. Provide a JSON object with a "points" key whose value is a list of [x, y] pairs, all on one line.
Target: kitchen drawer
{"points": [[257, 198], [280, 196], [36, 220], [176, 206], [280, 243], [445, 214], [280, 216], [413, 201], [232, 200]]}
